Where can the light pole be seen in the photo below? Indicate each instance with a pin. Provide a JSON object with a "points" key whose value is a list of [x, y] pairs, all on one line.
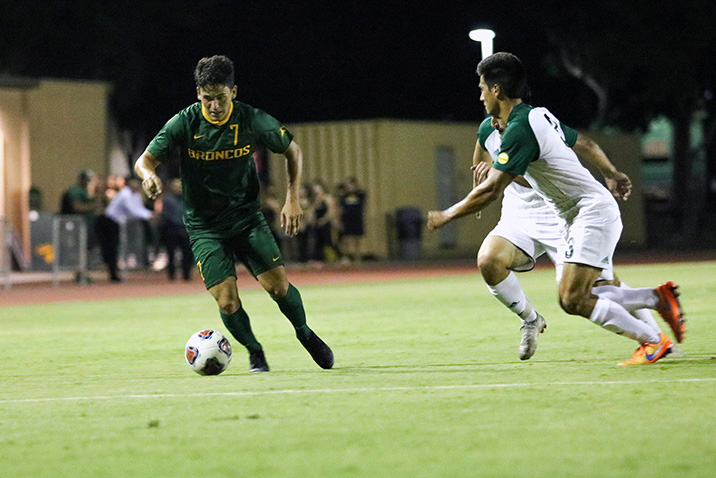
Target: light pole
{"points": [[484, 36]]}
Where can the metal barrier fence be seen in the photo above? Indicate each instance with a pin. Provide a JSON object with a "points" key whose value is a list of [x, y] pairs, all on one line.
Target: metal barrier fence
{"points": [[69, 247], [132, 244], [62, 243]]}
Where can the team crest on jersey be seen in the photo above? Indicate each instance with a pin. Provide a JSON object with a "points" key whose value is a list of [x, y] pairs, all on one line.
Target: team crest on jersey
{"points": [[191, 354], [503, 157], [205, 334]]}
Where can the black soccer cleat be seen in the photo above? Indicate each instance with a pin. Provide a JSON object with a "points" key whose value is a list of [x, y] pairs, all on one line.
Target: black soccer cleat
{"points": [[257, 359], [320, 352]]}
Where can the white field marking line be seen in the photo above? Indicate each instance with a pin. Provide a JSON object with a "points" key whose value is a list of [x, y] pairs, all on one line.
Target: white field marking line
{"points": [[352, 390]]}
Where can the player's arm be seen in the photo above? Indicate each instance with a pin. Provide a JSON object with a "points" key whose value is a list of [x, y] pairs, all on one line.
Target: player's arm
{"points": [[292, 214], [589, 152], [482, 195], [481, 164], [145, 167], [168, 138]]}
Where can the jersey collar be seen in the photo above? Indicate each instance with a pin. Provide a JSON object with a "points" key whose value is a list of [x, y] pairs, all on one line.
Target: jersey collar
{"points": [[217, 123]]}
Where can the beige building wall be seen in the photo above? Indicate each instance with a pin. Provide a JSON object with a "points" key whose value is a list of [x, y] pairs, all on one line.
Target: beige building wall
{"points": [[68, 133], [15, 176], [396, 163], [52, 129]]}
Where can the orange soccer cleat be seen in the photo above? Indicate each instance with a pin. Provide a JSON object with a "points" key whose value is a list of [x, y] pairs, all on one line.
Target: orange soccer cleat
{"points": [[650, 353], [669, 309]]}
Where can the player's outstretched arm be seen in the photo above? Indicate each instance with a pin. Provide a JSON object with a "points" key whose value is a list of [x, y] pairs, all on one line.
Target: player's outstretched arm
{"points": [[589, 151], [292, 214], [145, 167], [485, 193], [481, 164]]}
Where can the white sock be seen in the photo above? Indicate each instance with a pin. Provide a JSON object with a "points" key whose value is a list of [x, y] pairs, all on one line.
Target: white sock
{"points": [[510, 293], [615, 318], [628, 298], [644, 315]]}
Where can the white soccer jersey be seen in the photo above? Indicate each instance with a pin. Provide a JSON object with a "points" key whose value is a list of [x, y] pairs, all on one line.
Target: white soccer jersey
{"points": [[536, 145], [545, 219]]}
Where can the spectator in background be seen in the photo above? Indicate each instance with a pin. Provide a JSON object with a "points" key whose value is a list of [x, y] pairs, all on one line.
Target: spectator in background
{"points": [[305, 239], [126, 204], [324, 213], [80, 198], [172, 231], [271, 209], [352, 206], [114, 185]]}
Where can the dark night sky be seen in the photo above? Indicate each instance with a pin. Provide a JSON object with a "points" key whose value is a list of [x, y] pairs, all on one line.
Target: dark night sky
{"points": [[299, 60]]}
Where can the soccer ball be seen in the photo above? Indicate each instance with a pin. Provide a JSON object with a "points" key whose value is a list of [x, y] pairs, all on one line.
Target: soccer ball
{"points": [[208, 352]]}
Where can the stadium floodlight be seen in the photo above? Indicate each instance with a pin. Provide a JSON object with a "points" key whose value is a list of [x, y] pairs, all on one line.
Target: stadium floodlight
{"points": [[485, 37]]}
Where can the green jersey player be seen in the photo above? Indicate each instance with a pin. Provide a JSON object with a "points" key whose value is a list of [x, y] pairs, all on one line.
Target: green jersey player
{"points": [[216, 138], [532, 143]]}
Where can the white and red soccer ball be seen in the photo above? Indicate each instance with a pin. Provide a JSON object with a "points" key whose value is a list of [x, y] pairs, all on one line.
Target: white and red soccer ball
{"points": [[208, 352]]}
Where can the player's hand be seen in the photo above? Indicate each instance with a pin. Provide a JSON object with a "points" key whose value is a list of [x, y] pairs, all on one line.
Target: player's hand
{"points": [[152, 186], [479, 173], [437, 219], [291, 217], [620, 185]]}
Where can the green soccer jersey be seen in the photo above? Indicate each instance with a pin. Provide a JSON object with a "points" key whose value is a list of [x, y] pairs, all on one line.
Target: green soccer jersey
{"points": [[221, 185]]}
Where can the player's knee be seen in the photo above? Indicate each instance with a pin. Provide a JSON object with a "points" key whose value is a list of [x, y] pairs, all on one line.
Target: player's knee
{"points": [[572, 302], [277, 290], [228, 305], [490, 264]]}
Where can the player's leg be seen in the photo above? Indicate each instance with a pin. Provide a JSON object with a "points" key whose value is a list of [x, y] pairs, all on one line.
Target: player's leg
{"points": [[497, 259], [287, 297], [260, 253], [576, 298], [289, 301], [591, 241], [642, 314], [233, 314], [590, 247], [664, 299], [217, 269]]}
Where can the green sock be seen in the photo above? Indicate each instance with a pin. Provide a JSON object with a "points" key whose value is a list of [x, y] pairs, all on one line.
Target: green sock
{"points": [[291, 306], [239, 326]]}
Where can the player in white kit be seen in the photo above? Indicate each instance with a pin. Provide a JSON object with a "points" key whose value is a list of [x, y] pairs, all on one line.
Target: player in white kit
{"points": [[528, 228], [531, 142]]}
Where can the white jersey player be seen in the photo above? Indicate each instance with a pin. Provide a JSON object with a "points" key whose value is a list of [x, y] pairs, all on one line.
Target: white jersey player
{"points": [[528, 228], [531, 142]]}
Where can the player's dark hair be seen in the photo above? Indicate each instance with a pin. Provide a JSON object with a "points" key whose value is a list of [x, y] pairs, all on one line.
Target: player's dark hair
{"points": [[506, 70], [214, 70]]}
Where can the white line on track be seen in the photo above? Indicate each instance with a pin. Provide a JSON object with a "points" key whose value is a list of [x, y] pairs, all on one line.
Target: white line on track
{"points": [[353, 390]]}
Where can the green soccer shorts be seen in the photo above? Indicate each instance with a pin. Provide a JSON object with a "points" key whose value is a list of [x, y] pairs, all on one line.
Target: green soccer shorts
{"points": [[252, 244]]}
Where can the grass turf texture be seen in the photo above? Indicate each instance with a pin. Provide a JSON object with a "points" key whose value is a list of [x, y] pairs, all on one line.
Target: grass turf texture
{"points": [[427, 382]]}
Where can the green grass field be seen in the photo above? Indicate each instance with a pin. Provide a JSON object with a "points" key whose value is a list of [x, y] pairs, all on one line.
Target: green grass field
{"points": [[427, 383]]}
